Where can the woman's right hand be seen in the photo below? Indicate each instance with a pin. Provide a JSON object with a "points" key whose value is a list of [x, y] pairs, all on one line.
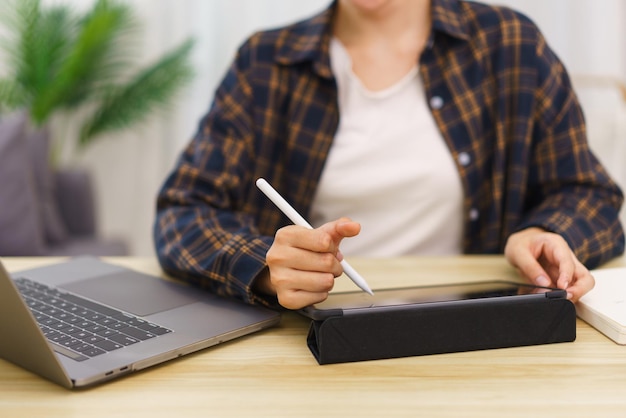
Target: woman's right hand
{"points": [[303, 263]]}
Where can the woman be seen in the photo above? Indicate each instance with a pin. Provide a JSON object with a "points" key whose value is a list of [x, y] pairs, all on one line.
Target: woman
{"points": [[442, 126]]}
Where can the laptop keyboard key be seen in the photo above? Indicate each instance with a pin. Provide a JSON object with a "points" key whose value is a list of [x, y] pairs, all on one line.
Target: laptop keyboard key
{"points": [[72, 330], [95, 328], [70, 342], [47, 321], [108, 345], [93, 351], [106, 321], [119, 325], [106, 333], [93, 339], [138, 333], [59, 338], [81, 335], [136, 322], [59, 326], [82, 347], [160, 331], [124, 317], [91, 305], [123, 339]]}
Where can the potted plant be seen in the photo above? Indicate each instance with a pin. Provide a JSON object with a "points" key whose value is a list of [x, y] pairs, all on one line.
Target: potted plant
{"points": [[60, 60], [80, 67]]}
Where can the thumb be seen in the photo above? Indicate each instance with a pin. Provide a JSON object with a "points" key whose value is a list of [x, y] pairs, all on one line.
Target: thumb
{"points": [[347, 227], [341, 228]]}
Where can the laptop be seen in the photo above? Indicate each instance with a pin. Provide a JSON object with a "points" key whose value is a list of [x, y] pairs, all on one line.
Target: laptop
{"points": [[604, 307], [85, 321]]}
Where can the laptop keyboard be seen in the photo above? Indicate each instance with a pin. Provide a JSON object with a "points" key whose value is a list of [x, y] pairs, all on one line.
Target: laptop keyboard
{"points": [[80, 328]]}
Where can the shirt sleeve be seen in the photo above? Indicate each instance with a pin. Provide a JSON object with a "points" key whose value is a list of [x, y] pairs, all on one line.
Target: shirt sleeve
{"points": [[204, 231], [570, 191]]}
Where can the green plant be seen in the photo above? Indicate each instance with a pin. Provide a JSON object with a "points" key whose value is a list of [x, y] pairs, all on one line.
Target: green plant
{"points": [[57, 59]]}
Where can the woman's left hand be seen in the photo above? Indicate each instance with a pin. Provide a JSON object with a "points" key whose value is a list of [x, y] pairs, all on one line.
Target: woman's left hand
{"points": [[545, 259]]}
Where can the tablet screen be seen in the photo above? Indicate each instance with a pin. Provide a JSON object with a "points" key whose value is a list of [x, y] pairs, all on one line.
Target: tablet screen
{"points": [[425, 294]]}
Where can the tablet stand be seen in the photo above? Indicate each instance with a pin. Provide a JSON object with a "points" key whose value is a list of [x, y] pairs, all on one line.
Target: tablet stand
{"points": [[434, 328]]}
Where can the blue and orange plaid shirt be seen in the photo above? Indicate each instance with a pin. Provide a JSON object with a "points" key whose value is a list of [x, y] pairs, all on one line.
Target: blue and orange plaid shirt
{"points": [[499, 95]]}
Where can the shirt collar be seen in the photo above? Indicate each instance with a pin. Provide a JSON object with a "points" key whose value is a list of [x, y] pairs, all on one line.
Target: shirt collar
{"points": [[310, 40], [448, 18]]}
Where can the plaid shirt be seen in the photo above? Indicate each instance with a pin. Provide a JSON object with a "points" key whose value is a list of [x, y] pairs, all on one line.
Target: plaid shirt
{"points": [[499, 95]]}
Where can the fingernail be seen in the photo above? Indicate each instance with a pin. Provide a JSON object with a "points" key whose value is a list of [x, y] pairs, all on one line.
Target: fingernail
{"points": [[543, 281], [569, 296]]}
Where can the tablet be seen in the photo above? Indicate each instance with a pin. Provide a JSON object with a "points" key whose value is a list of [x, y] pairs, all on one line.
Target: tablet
{"points": [[346, 303]]}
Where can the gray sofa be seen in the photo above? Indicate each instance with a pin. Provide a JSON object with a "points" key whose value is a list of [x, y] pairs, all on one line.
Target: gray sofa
{"points": [[44, 211]]}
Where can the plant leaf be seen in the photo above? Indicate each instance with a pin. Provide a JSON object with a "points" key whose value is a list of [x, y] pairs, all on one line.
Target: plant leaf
{"points": [[59, 59], [11, 96], [53, 34], [91, 60], [152, 88], [39, 43]]}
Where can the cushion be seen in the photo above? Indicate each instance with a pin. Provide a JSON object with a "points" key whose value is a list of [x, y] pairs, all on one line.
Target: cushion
{"points": [[55, 231], [76, 201], [89, 246], [21, 229]]}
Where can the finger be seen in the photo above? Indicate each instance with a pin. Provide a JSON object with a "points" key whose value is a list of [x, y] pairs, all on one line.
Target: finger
{"points": [[559, 257], [301, 260], [566, 274], [299, 299], [582, 282], [529, 267], [315, 240], [318, 262], [301, 289], [307, 281]]}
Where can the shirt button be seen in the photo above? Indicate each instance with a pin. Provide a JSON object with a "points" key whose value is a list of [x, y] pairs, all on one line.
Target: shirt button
{"points": [[436, 102], [464, 158], [473, 214]]}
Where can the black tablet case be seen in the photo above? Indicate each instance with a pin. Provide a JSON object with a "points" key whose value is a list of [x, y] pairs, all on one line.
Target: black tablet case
{"points": [[435, 328]]}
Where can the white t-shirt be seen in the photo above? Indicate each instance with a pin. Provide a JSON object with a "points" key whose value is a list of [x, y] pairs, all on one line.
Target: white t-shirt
{"points": [[389, 169]]}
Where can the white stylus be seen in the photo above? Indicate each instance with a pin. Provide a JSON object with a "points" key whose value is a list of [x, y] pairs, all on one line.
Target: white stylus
{"points": [[297, 219]]}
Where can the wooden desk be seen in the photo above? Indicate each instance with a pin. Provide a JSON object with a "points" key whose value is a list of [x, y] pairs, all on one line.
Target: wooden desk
{"points": [[273, 374]]}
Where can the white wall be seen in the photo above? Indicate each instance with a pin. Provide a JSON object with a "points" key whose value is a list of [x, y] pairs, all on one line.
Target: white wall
{"points": [[588, 35]]}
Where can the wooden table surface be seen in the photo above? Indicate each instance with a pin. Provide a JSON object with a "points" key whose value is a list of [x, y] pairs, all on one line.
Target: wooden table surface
{"points": [[273, 374]]}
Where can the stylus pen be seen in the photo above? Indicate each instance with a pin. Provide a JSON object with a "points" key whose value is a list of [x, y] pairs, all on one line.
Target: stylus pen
{"points": [[297, 219]]}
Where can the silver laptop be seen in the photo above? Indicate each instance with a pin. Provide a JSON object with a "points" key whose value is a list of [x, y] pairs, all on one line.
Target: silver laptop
{"points": [[84, 321]]}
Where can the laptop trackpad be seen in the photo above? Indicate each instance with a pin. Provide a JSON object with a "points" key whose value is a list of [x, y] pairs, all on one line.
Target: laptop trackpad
{"points": [[134, 292]]}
